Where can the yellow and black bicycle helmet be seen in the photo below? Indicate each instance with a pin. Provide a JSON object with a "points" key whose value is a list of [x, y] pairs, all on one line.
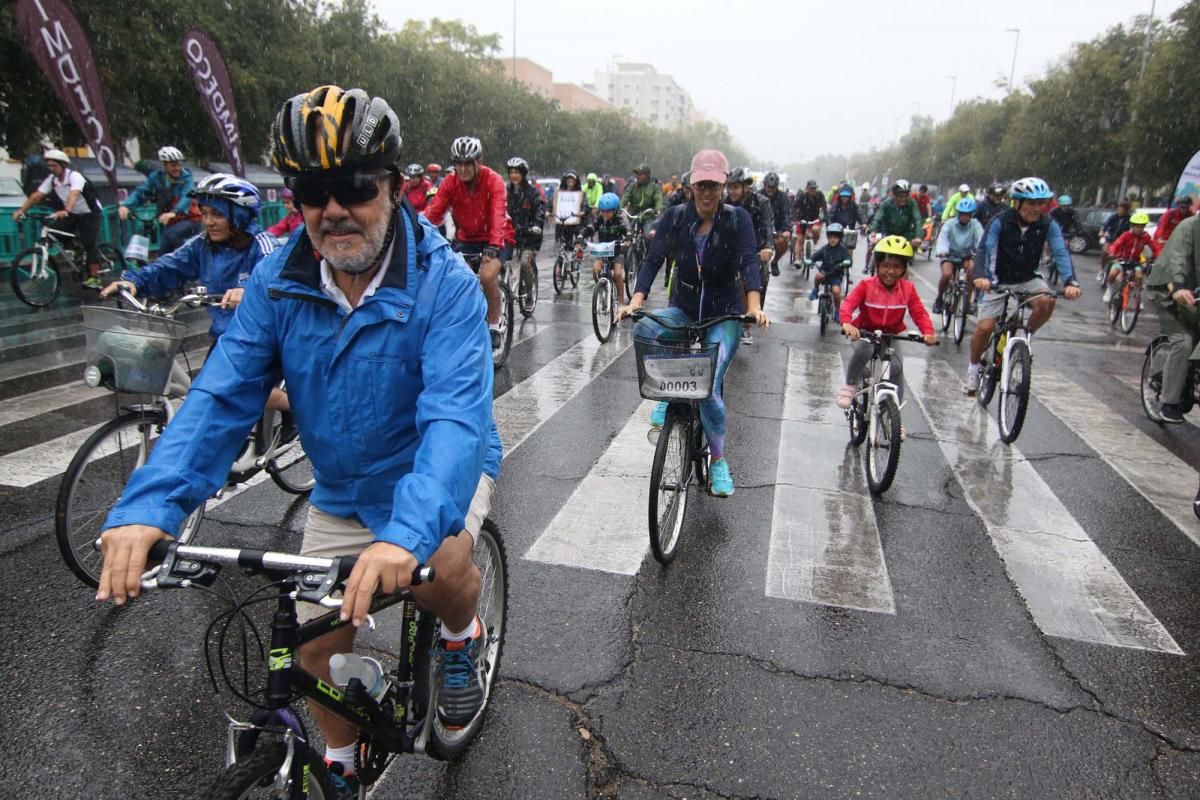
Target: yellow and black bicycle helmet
{"points": [[332, 128], [894, 246]]}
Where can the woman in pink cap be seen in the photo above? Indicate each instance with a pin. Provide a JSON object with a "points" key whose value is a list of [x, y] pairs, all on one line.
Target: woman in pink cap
{"points": [[712, 245]]}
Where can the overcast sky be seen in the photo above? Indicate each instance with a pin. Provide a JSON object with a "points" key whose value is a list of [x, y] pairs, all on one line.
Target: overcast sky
{"points": [[738, 63]]}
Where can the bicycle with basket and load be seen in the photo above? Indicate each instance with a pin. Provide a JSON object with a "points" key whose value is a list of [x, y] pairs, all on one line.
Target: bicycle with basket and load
{"points": [[37, 273], [272, 754], [135, 353], [681, 373]]}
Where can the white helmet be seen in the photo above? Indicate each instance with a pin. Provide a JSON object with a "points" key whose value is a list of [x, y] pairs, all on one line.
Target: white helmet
{"points": [[866, 187], [465, 148], [169, 153], [963, 189], [57, 155], [900, 185]]}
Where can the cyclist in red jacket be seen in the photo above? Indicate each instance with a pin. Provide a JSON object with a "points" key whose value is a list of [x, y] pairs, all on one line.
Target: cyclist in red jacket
{"points": [[476, 196], [1129, 247], [880, 303]]}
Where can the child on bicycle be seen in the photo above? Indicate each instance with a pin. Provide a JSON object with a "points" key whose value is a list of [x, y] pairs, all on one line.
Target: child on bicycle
{"points": [[956, 244], [611, 227], [830, 258], [1128, 248], [221, 259], [879, 303]]}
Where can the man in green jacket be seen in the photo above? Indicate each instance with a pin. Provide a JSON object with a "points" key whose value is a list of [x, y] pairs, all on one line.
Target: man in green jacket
{"points": [[949, 213], [643, 195], [1173, 281], [899, 216], [592, 189]]}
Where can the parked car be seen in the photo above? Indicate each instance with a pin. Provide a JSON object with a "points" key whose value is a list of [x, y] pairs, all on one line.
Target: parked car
{"points": [[1091, 221], [10, 192]]}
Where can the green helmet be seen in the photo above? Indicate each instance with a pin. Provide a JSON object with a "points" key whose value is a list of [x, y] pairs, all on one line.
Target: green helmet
{"points": [[643, 167]]}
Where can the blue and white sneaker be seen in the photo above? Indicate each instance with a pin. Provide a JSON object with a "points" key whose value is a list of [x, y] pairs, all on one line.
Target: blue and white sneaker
{"points": [[722, 481], [658, 417]]}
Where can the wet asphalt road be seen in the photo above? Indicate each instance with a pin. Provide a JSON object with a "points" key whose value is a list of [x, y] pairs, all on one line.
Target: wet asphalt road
{"points": [[691, 681]]}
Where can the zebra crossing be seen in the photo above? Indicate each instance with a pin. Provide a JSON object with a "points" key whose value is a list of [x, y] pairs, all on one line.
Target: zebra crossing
{"points": [[820, 541]]}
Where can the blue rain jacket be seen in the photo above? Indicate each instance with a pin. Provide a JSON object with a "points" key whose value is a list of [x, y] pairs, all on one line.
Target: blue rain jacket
{"points": [[393, 400]]}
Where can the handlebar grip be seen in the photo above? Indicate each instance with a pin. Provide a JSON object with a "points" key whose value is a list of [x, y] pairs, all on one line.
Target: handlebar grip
{"points": [[423, 574], [158, 550]]}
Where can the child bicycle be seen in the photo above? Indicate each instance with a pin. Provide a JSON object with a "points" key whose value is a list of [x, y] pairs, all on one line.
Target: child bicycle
{"points": [[956, 305], [825, 308], [682, 374], [36, 273], [134, 352], [1008, 363], [1125, 302], [605, 302], [874, 413], [272, 752], [569, 260]]}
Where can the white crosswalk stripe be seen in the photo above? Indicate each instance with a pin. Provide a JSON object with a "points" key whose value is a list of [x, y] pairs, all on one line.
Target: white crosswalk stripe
{"points": [[603, 525], [1154, 471], [1070, 587], [825, 544]]}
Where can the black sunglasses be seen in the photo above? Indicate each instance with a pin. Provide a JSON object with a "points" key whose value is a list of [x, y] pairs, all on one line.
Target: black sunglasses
{"points": [[349, 189]]}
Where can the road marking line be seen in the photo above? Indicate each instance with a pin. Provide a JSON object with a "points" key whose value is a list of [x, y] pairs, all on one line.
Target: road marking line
{"points": [[524, 408], [603, 524], [1071, 589], [1154, 471], [825, 545]]}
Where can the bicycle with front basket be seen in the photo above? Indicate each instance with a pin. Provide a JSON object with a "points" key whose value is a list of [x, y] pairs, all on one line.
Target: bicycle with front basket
{"points": [[874, 413], [1008, 362], [135, 352], [682, 374], [272, 754], [37, 272], [569, 260]]}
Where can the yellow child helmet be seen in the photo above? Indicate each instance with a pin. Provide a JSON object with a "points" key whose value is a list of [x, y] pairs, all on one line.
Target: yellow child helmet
{"points": [[894, 246], [1140, 218]]}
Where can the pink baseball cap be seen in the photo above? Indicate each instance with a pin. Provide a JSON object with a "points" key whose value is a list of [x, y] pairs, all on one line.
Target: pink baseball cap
{"points": [[709, 165]]}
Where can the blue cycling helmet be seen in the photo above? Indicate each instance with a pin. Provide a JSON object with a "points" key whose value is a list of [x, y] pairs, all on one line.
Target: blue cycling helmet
{"points": [[609, 202], [965, 206], [241, 200], [1064, 200], [845, 191], [1030, 189]]}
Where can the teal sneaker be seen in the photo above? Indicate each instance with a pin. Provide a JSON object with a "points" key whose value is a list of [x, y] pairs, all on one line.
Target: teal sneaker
{"points": [[722, 481], [658, 417]]}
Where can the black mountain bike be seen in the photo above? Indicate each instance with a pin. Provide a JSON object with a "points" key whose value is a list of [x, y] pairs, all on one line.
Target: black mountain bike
{"points": [[569, 260], [680, 373], [635, 251], [825, 309], [271, 754], [955, 305], [1152, 381], [1008, 363], [605, 299], [36, 273]]}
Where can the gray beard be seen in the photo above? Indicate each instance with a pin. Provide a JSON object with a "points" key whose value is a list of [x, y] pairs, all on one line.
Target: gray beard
{"points": [[358, 263]]}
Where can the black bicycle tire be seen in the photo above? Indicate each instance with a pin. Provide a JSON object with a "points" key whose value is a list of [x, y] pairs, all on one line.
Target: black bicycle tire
{"points": [[823, 313], [506, 308], [857, 418], [266, 432], [70, 481], [16, 284], [260, 766], [576, 267], [949, 298], [889, 414], [559, 277], [436, 746], [663, 555], [527, 311], [606, 311], [1129, 319], [1019, 357], [1152, 413], [1114, 306], [960, 319]]}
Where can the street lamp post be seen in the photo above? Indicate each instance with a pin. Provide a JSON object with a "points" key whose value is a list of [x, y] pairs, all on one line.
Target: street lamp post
{"points": [[514, 42], [1133, 113], [1012, 73], [953, 86]]}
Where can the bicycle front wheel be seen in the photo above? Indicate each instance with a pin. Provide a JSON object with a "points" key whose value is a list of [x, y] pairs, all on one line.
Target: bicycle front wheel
{"points": [[527, 291], [823, 312], [507, 321], [33, 281], [254, 776], [989, 374], [1014, 395], [961, 309], [560, 274], [669, 478], [602, 309], [1132, 307], [883, 445], [949, 304], [93, 484], [1152, 376]]}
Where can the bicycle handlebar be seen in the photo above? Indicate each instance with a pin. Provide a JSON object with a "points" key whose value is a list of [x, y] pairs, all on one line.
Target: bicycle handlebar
{"points": [[691, 326], [907, 336], [317, 577]]}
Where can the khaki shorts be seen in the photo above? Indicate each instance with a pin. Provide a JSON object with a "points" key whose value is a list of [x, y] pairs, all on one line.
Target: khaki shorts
{"points": [[328, 536], [992, 304]]}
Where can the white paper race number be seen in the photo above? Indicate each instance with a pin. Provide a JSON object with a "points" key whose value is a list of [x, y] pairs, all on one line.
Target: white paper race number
{"points": [[684, 377]]}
